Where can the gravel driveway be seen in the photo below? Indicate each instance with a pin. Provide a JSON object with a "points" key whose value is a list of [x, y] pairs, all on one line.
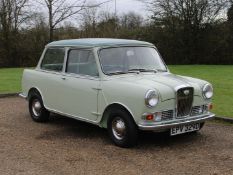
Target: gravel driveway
{"points": [[66, 146]]}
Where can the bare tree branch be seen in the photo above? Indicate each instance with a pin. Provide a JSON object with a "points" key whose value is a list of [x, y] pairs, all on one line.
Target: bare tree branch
{"points": [[61, 10]]}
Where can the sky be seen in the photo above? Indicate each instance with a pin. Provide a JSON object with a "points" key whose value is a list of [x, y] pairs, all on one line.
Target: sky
{"points": [[124, 6]]}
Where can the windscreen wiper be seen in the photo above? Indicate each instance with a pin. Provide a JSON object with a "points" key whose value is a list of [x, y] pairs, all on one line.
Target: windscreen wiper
{"points": [[142, 70], [132, 71], [121, 72], [117, 73]]}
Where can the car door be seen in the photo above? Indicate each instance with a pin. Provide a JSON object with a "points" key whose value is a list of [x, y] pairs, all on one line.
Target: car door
{"points": [[49, 77], [80, 85]]}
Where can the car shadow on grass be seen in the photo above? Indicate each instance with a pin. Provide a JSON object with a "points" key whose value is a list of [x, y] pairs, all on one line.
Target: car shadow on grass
{"points": [[63, 128]]}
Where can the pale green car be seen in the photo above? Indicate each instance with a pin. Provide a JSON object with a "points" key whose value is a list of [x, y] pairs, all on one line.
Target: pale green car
{"points": [[121, 85]]}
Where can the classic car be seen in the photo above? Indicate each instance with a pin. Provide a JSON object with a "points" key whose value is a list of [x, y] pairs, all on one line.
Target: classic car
{"points": [[121, 85]]}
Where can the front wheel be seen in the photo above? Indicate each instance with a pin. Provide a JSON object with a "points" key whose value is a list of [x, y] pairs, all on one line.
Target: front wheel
{"points": [[37, 110], [122, 129]]}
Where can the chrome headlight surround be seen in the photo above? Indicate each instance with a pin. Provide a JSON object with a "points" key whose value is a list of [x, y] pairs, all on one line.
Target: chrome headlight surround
{"points": [[151, 98], [207, 91]]}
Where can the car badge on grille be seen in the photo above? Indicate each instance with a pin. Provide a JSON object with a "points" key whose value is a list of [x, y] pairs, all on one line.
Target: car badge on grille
{"points": [[186, 92]]}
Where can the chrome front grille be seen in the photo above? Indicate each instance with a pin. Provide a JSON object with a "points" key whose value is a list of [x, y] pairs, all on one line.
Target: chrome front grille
{"points": [[184, 101], [167, 115], [198, 110]]}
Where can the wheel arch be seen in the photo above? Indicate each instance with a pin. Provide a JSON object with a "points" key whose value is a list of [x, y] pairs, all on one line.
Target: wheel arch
{"points": [[109, 108], [34, 90]]}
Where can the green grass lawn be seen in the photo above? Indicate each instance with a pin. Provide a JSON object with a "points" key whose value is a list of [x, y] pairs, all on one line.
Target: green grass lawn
{"points": [[220, 76], [10, 80], [222, 79]]}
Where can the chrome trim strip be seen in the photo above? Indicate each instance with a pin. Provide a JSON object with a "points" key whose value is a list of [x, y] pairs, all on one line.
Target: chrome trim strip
{"points": [[171, 124], [74, 117], [48, 71], [96, 113], [69, 75], [22, 95], [81, 76]]}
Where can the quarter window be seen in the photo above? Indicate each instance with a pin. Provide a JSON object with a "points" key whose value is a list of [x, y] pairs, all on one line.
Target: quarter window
{"points": [[82, 62], [53, 59]]}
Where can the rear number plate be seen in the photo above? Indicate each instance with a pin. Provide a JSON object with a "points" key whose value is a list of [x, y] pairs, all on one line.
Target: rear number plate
{"points": [[185, 128]]}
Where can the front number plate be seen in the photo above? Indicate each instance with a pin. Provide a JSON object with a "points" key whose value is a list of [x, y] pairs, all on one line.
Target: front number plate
{"points": [[185, 128]]}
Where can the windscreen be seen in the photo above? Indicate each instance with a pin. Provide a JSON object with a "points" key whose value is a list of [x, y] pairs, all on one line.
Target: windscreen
{"points": [[124, 59]]}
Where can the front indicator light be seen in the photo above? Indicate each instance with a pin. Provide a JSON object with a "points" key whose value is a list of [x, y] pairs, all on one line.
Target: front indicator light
{"points": [[150, 117], [157, 116], [210, 106]]}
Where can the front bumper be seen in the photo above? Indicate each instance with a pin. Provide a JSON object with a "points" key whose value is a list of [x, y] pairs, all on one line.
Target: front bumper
{"points": [[161, 126]]}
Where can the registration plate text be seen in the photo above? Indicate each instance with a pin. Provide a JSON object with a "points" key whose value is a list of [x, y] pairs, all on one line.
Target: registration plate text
{"points": [[185, 128]]}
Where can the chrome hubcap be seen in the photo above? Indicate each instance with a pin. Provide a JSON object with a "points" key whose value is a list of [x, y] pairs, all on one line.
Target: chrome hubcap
{"points": [[118, 128], [36, 107]]}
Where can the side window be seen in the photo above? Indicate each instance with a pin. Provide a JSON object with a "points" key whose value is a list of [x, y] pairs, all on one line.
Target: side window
{"points": [[53, 59], [82, 62]]}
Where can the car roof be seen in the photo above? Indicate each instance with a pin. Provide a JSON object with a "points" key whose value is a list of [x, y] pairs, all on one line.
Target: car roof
{"points": [[98, 42]]}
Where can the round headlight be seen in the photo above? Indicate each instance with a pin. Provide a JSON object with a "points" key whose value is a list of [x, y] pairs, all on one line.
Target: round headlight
{"points": [[151, 98], [208, 91]]}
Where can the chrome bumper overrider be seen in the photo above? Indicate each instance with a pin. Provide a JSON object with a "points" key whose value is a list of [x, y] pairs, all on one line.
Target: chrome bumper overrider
{"points": [[160, 126]]}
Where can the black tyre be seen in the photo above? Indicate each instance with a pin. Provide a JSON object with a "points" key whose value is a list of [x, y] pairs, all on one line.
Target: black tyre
{"points": [[122, 128], [36, 108]]}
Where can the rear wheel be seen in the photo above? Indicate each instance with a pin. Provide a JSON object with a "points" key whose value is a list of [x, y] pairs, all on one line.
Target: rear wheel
{"points": [[37, 110], [122, 129]]}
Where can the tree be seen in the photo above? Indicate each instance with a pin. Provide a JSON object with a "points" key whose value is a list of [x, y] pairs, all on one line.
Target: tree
{"points": [[230, 14], [35, 37], [131, 20], [108, 25], [89, 21], [193, 11], [12, 15], [230, 26], [185, 21], [60, 10]]}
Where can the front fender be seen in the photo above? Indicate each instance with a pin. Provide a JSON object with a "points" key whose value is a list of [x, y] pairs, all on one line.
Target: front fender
{"points": [[128, 95]]}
